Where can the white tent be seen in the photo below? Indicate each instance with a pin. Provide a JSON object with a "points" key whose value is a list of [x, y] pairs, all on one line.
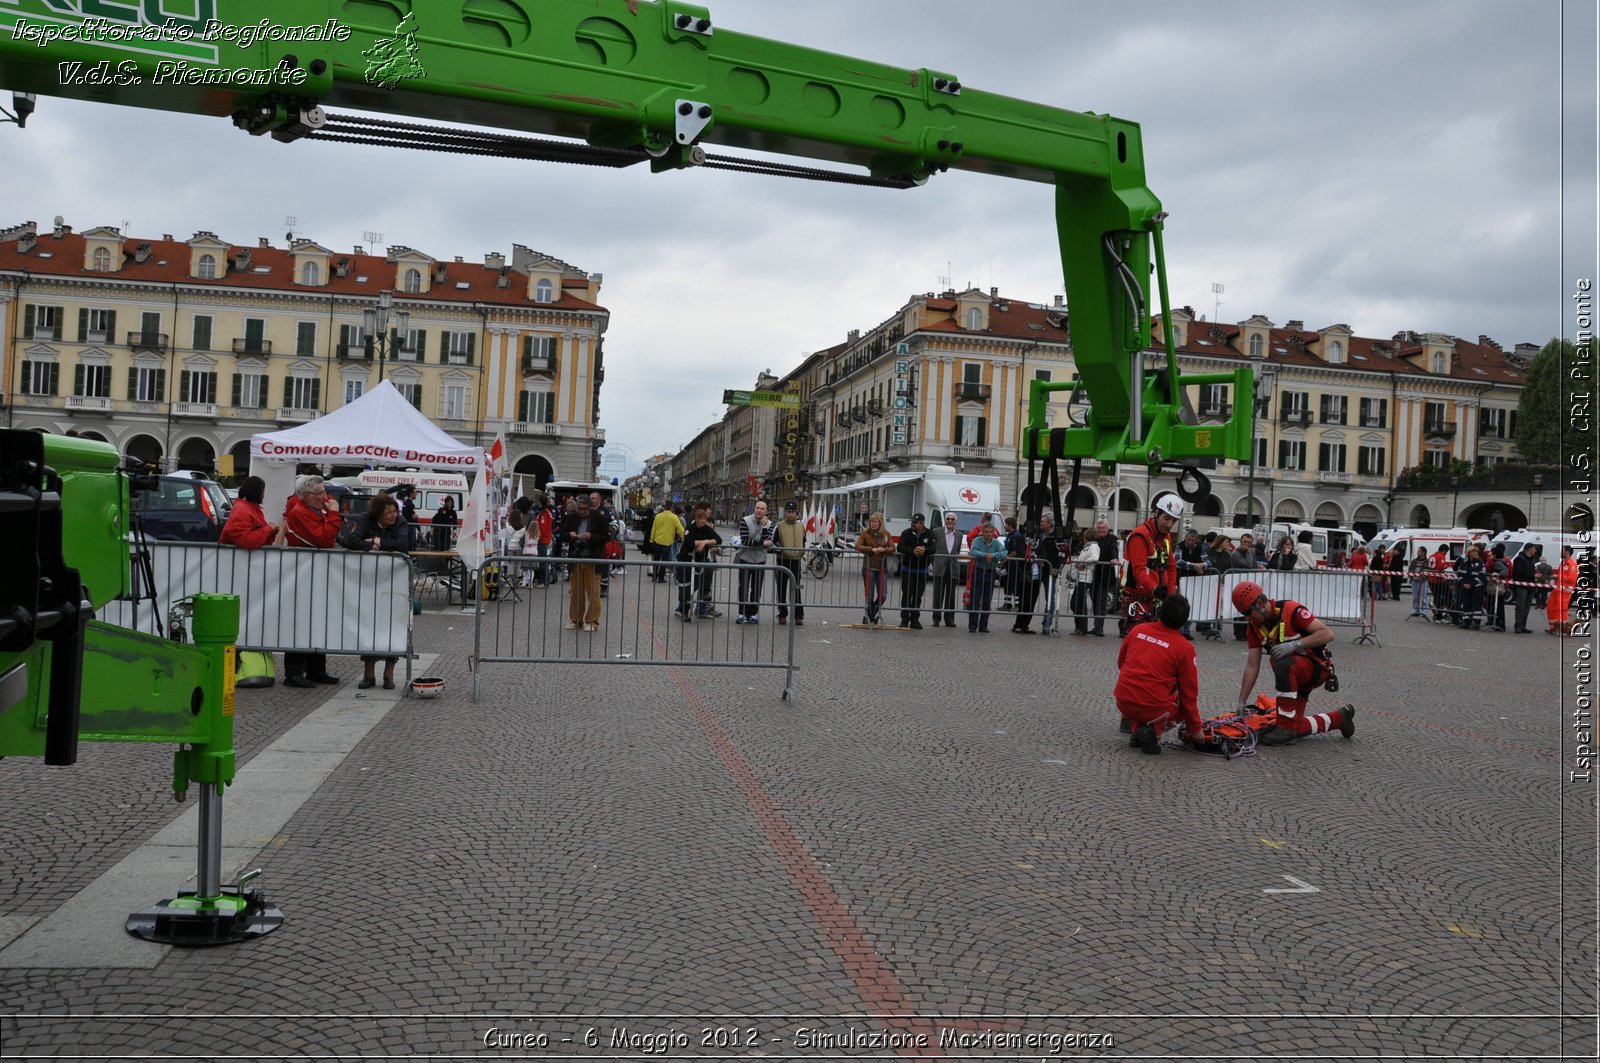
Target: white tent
{"points": [[380, 428]]}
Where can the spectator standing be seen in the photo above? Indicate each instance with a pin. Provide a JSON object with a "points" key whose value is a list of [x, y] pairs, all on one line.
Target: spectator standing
{"points": [[1243, 559], [1419, 583], [1438, 586], [875, 546], [1052, 553], [1086, 569], [915, 549], [699, 546], [789, 537], [586, 533], [988, 554], [445, 521], [542, 530], [1106, 579], [946, 571], [666, 531], [1304, 560], [247, 526], [380, 529], [601, 510], [755, 539], [1016, 553], [1498, 570], [311, 519], [1394, 563], [1283, 558], [1472, 576], [1192, 560]]}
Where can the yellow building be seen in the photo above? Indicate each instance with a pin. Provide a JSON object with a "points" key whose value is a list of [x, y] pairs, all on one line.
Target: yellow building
{"points": [[177, 351]]}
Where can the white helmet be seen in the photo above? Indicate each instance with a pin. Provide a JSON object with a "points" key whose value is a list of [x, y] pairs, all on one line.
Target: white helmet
{"points": [[1171, 505]]}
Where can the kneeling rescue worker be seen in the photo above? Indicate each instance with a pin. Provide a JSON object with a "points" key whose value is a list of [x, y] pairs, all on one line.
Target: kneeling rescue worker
{"points": [[1157, 684], [1296, 640]]}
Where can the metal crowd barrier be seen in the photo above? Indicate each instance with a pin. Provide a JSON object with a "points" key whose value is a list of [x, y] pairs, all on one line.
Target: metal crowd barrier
{"points": [[521, 618], [291, 600], [1338, 597], [1442, 597]]}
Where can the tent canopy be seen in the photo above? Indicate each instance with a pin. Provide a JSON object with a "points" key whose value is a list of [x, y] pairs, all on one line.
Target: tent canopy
{"points": [[379, 428]]}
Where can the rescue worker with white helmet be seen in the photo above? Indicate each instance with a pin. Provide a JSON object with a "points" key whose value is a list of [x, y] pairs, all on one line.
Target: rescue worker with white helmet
{"points": [[1152, 564], [1296, 639]]}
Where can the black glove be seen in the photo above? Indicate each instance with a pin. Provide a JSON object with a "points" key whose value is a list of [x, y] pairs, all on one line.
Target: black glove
{"points": [[1161, 590]]}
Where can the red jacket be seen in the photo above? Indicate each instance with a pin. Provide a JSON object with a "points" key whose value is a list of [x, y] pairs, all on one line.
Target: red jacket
{"points": [[1151, 559], [247, 526], [304, 526], [1156, 669]]}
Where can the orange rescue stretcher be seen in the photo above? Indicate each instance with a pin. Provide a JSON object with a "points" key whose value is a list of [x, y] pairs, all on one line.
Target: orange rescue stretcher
{"points": [[1234, 734]]}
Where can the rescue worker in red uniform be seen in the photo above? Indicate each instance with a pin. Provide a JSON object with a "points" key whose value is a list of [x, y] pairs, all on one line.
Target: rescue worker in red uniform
{"points": [[1295, 639], [1152, 568], [1152, 564], [1157, 684]]}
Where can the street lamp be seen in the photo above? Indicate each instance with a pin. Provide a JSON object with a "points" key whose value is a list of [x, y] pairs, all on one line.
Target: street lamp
{"points": [[377, 326], [1265, 378]]}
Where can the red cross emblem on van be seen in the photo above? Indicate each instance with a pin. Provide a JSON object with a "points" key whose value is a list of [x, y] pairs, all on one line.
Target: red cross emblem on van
{"points": [[968, 495]]}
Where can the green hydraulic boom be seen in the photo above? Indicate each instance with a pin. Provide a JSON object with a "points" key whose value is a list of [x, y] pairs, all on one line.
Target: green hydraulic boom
{"points": [[629, 81]]}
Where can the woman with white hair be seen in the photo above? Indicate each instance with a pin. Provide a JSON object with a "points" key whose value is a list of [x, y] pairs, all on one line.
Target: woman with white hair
{"points": [[311, 519]]}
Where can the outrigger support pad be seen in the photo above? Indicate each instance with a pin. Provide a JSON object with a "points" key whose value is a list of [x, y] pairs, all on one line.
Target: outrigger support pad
{"points": [[238, 913]]}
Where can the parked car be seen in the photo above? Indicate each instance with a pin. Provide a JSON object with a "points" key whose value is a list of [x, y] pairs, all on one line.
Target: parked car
{"points": [[185, 506]]}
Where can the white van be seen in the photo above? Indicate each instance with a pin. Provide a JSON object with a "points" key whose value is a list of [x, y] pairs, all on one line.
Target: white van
{"points": [[937, 490], [1409, 540], [1548, 542], [431, 488]]}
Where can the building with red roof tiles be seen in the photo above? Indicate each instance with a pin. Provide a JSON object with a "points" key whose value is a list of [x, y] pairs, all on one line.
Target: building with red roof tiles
{"points": [[945, 380], [177, 351]]}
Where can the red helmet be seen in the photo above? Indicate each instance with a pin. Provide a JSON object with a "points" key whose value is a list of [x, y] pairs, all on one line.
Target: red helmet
{"points": [[1246, 594]]}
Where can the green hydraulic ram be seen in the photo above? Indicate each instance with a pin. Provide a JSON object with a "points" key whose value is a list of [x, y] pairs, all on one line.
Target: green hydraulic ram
{"points": [[637, 81], [66, 677]]}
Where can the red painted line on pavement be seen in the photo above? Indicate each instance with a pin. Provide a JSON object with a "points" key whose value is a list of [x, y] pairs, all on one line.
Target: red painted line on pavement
{"points": [[875, 981]]}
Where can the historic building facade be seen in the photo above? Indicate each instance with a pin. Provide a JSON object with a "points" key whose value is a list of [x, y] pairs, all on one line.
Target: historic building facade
{"points": [[946, 378], [178, 351]]}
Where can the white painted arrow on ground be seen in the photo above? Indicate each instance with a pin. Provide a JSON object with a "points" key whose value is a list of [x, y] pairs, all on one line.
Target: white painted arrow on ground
{"points": [[1299, 887]]}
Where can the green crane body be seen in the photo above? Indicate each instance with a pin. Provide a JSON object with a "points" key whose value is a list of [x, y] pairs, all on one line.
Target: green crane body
{"points": [[661, 80]]}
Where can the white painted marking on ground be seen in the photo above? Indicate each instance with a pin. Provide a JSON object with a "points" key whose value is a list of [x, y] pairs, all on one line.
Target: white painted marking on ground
{"points": [[1458, 667], [1060, 762], [1300, 886]]}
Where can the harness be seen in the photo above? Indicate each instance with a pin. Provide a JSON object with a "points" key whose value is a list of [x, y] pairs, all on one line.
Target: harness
{"points": [[1160, 554], [1234, 734], [1271, 636]]}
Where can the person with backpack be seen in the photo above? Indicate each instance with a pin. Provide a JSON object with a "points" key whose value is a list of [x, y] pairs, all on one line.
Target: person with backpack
{"points": [[1499, 570], [1152, 561]]}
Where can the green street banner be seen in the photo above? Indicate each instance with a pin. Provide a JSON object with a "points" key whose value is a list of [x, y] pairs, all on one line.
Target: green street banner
{"points": [[788, 400]]}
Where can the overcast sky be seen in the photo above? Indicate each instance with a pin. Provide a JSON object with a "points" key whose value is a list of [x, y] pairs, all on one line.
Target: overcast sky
{"points": [[1390, 165]]}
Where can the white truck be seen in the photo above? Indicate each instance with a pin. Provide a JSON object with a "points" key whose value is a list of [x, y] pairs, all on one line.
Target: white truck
{"points": [[937, 490]]}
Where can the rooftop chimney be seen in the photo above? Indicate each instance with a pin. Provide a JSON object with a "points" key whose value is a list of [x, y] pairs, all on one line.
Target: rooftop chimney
{"points": [[1294, 325], [494, 260], [1061, 300], [167, 237], [360, 250], [855, 334], [994, 293], [141, 253], [262, 241]]}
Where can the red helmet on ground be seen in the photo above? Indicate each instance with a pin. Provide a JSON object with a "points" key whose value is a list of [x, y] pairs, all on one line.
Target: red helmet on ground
{"points": [[1246, 594]]}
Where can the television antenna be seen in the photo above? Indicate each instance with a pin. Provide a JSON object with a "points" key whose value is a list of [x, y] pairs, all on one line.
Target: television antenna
{"points": [[1216, 301]]}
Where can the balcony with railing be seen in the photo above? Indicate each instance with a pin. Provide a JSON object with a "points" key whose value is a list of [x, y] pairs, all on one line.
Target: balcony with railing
{"points": [[354, 352], [147, 341], [983, 454], [1216, 411], [1242, 472], [1295, 417], [536, 428], [194, 409], [539, 363], [1336, 479], [295, 413], [1436, 429], [89, 402], [1372, 420], [974, 392], [252, 346]]}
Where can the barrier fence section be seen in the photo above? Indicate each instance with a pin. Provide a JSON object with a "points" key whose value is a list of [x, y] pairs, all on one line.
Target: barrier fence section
{"points": [[291, 600], [1337, 597], [530, 610]]}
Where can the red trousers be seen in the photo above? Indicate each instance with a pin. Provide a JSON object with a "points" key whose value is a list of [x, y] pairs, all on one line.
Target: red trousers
{"points": [[1297, 677]]}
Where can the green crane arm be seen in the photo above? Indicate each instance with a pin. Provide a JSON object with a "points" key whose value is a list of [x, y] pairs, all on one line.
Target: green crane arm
{"points": [[658, 81]]}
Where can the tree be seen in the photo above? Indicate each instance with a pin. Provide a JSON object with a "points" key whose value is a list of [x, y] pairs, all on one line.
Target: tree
{"points": [[1556, 415]]}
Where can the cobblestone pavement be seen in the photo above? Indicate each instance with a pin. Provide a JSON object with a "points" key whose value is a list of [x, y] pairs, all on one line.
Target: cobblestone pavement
{"points": [[942, 837]]}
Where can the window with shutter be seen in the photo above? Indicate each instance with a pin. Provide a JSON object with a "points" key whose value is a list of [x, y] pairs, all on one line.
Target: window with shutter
{"points": [[202, 333], [305, 338]]}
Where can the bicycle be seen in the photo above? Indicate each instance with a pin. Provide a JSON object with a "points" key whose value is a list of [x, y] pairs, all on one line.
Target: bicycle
{"points": [[819, 560]]}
